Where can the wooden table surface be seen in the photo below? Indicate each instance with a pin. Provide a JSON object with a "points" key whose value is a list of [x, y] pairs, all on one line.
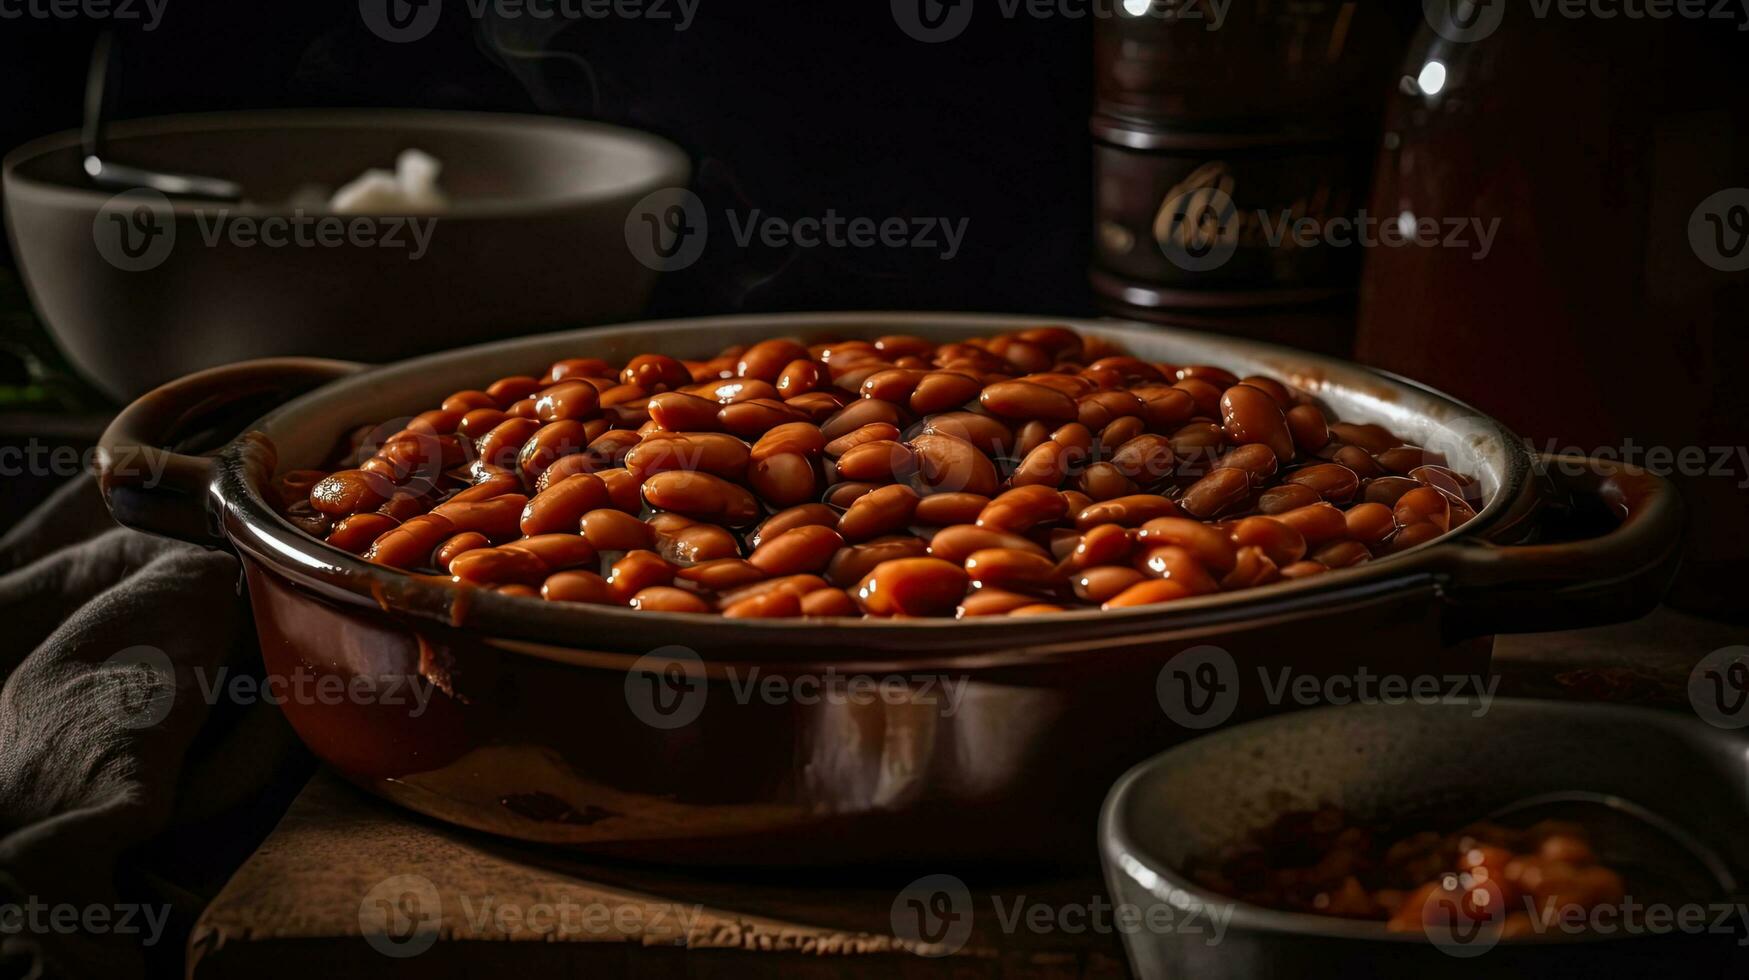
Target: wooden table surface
{"points": [[444, 902]]}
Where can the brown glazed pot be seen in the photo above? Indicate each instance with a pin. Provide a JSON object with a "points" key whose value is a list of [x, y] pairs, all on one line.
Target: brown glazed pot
{"points": [[586, 726]]}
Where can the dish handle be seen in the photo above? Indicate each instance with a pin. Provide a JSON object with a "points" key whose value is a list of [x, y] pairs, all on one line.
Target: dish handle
{"points": [[1571, 581], [148, 484]]}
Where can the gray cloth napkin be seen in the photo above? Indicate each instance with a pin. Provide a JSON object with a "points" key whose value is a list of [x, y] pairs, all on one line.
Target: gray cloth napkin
{"points": [[127, 792]]}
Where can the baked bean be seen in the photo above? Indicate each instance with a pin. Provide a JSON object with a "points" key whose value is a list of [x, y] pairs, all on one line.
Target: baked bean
{"points": [[701, 495], [1103, 481], [655, 373], [501, 445], [1100, 584], [784, 480], [873, 432], [1304, 569], [1286, 497], [1283, 544], [1387, 490], [350, 492], [1130, 511], [957, 543], [1317, 523], [842, 495], [636, 571], [499, 518], [567, 400], [1106, 544], [455, 545], [1010, 568], [771, 605], [410, 545], [577, 586], [946, 464], [1402, 460], [1166, 409], [561, 506], [799, 377], [1027, 400], [1333, 481], [878, 462], [1030, 436], [1145, 459], [1098, 409], [706, 452], [493, 485], [1148, 593], [404, 505], [1424, 504], [1370, 524], [1309, 429], [548, 445], [497, 566], [766, 359], [556, 551], [824, 603], [1022, 508], [1251, 415], [943, 509], [666, 599], [818, 406], [1206, 396], [1178, 565], [467, 401], [804, 549], [850, 564], [720, 574], [1254, 568], [698, 543], [865, 411], [1358, 460], [579, 367], [1448, 480], [797, 585], [878, 512], [992, 602], [912, 587], [506, 391], [799, 438], [677, 411], [1207, 544], [1414, 534], [615, 530], [563, 468], [1254, 458], [792, 518], [1342, 554], [623, 489], [1284, 399], [989, 435], [357, 531], [1221, 492], [1198, 443]]}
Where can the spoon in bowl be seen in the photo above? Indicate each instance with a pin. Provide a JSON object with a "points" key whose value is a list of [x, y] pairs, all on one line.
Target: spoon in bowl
{"points": [[121, 176]]}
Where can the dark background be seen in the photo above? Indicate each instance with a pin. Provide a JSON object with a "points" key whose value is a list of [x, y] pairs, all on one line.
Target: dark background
{"points": [[786, 105]]}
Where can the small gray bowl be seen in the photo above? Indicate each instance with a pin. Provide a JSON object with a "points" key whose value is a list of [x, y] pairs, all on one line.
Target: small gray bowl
{"points": [[535, 237], [1385, 762]]}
